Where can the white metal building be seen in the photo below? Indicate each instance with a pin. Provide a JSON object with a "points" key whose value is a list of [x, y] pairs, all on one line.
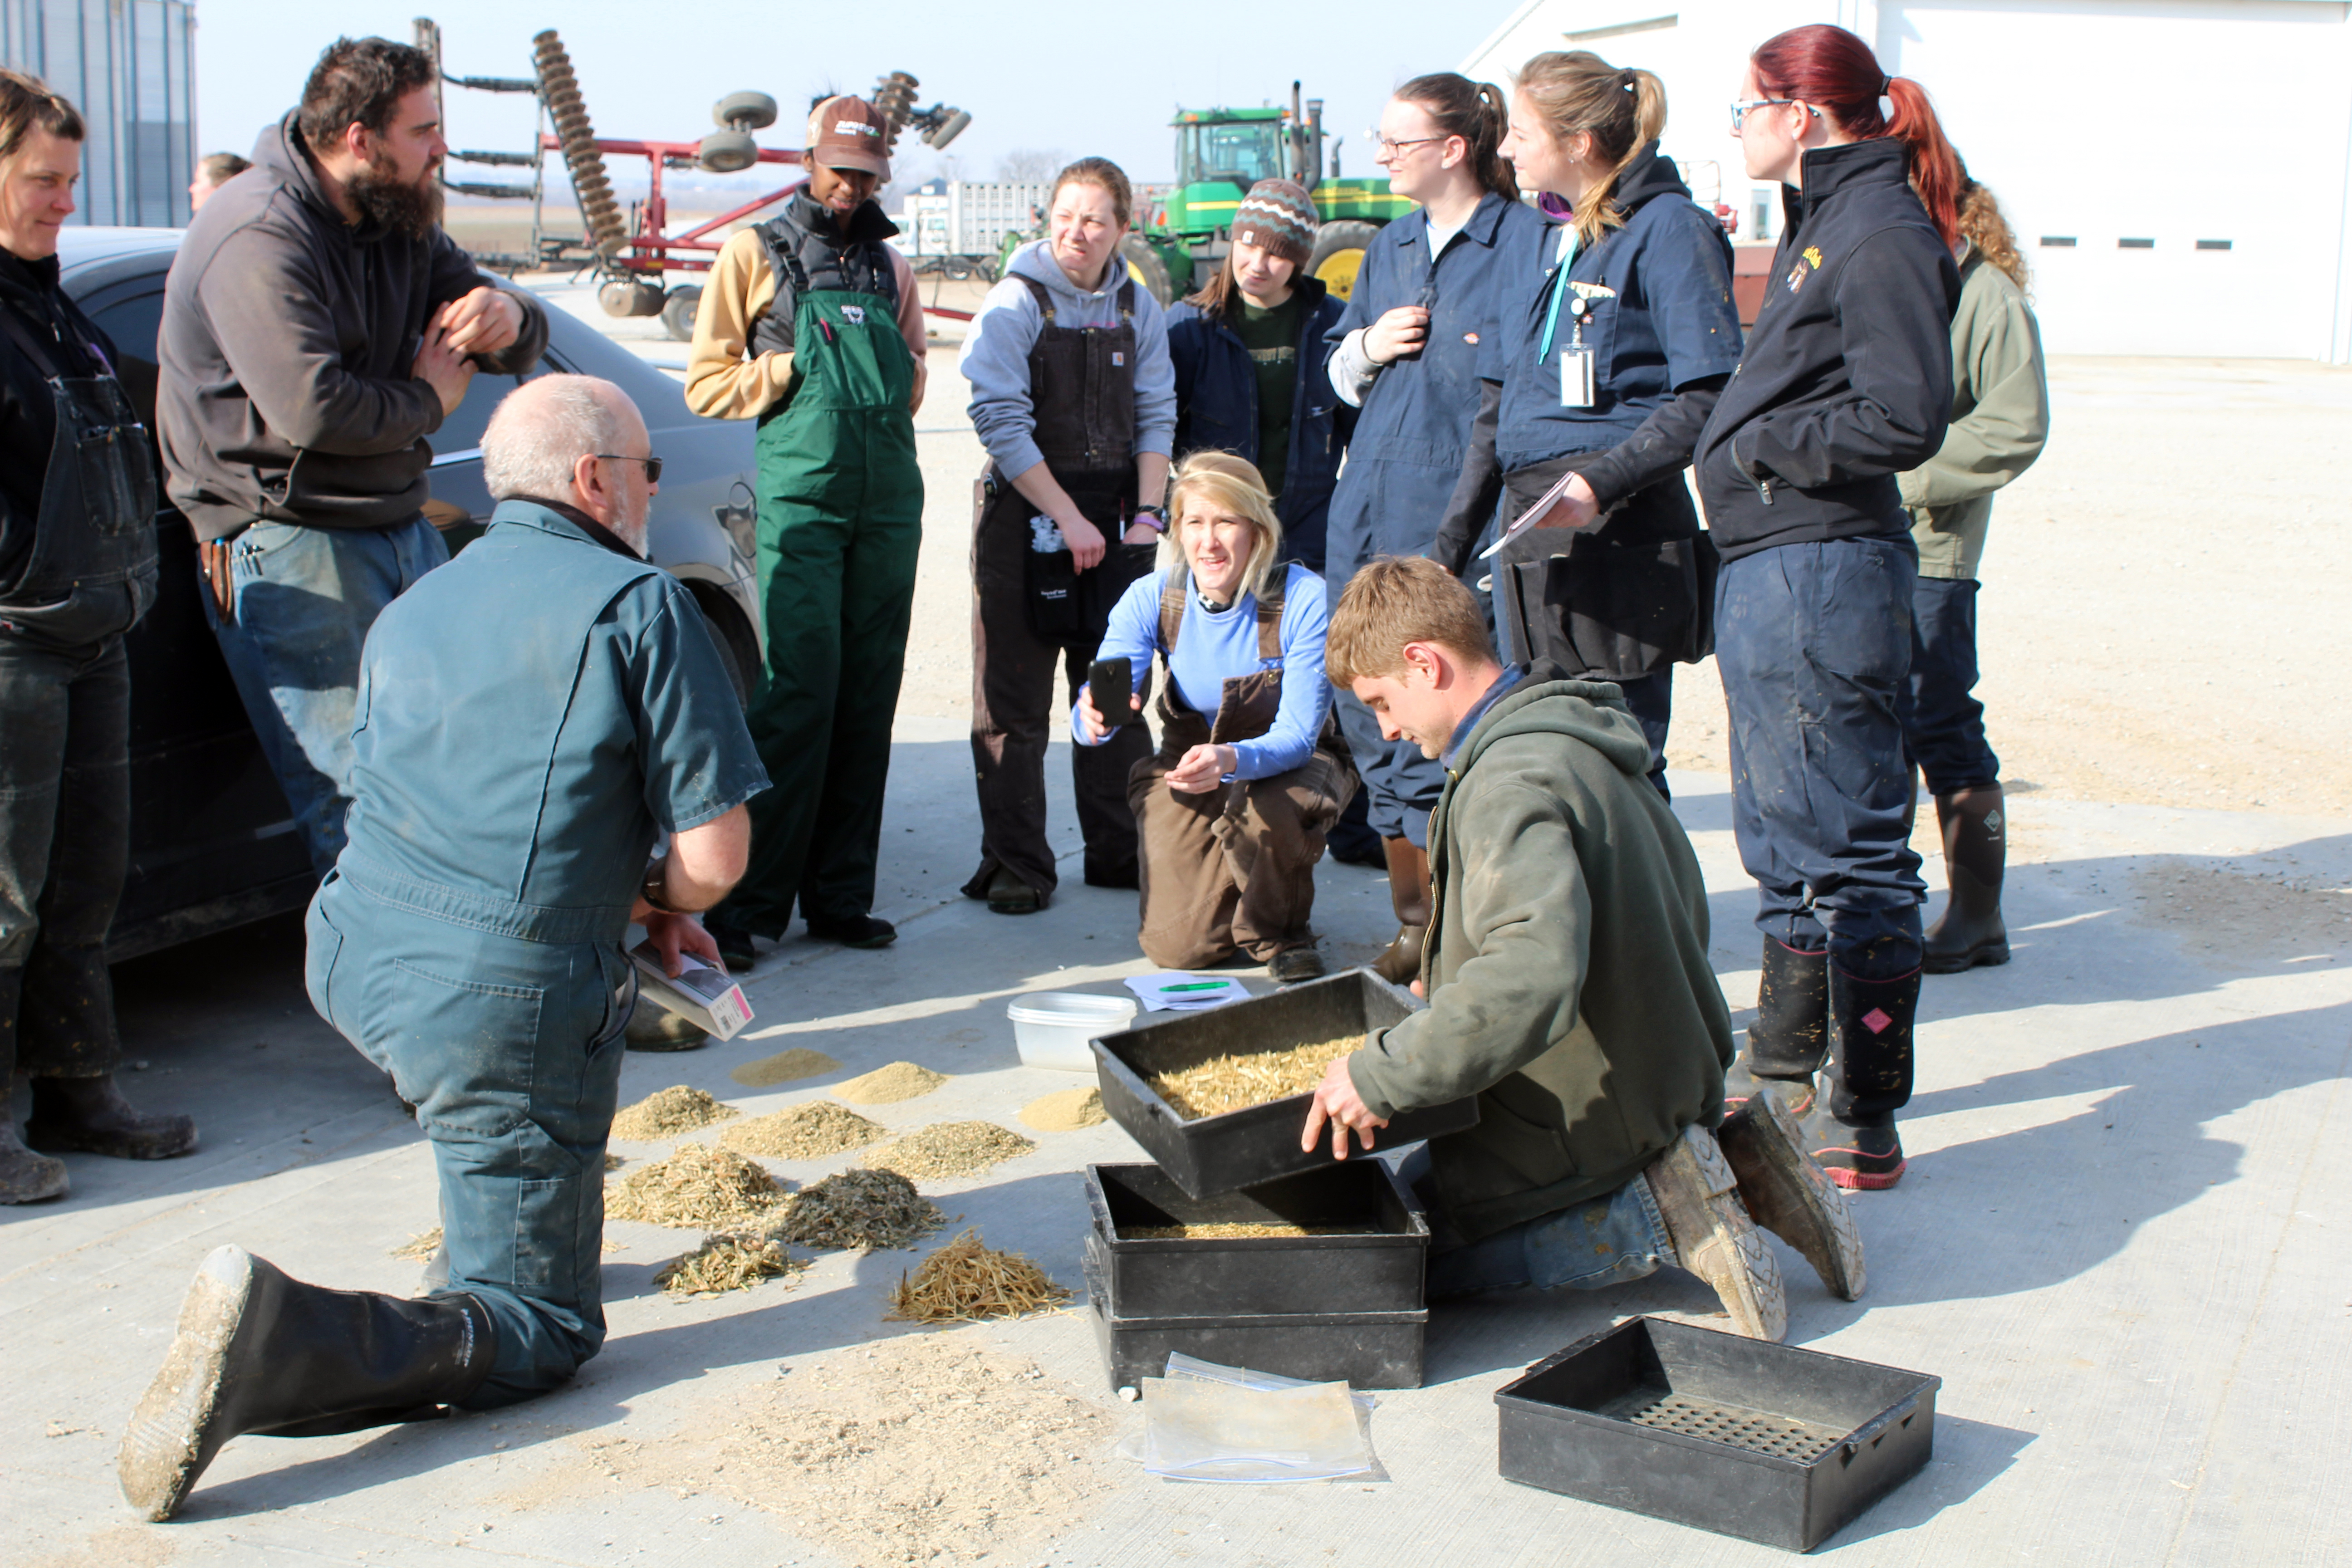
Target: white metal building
{"points": [[2178, 171], [126, 65]]}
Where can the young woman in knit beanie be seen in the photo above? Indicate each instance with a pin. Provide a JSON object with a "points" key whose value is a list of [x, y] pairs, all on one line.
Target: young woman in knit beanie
{"points": [[1251, 364], [1617, 335]]}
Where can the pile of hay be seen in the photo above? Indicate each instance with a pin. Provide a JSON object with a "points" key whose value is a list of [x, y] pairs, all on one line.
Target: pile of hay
{"points": [[890, 1085], [948, 1149], [1237, 1083], [669, 1112], [716, 1189], [727, 1262], [808, 1132], [860, 1211], [964, 1282]]}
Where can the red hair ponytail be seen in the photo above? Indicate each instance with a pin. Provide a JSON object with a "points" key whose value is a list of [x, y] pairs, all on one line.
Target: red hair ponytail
{"points": [[1834, 71]]}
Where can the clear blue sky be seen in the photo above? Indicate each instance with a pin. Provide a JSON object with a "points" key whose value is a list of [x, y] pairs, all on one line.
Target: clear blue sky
{"points": [[1051, 74]]}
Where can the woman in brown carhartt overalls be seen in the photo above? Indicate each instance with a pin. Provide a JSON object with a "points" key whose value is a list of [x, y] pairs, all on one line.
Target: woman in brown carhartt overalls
{"points": [[1073, 395], [1233, 806]]}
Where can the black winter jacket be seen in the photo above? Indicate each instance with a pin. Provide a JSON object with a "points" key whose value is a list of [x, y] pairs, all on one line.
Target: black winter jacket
{"points": [[1846, 380], [287, 341], [1216, 408], [28, 416]]}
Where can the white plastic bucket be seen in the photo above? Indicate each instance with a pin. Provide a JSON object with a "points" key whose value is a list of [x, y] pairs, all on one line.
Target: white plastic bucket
{"points": [[1052, 1027]]}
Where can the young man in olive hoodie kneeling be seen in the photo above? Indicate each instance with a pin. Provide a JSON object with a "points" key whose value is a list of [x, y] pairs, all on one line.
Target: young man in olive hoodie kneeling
{"points": [[1569, 989]]}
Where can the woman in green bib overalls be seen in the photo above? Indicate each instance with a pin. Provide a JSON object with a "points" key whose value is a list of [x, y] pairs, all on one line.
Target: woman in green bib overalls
{"points": [[810, 324]]}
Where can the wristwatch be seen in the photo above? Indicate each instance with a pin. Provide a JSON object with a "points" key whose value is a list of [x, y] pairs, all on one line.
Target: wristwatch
{"points": [[1151, 518], [655, 888]]}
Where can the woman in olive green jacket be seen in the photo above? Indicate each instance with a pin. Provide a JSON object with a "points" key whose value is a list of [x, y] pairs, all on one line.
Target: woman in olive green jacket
{"points": [[2000, 418]]}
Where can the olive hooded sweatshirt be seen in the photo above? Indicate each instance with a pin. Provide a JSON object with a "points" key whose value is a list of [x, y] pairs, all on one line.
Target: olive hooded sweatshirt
{"points": [[1568, 983]]}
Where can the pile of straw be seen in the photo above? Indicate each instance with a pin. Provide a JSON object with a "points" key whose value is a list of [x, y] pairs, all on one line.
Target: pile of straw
{"points": [[1234, 1082], [964, 1282], [716, 1189]]}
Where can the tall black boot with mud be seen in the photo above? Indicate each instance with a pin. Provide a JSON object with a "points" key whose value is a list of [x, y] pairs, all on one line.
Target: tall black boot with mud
{"points": [[24, 1177], [1400, 963], [1976, 850], [1853, 1136], [1791, 1036], [261, 1352]]}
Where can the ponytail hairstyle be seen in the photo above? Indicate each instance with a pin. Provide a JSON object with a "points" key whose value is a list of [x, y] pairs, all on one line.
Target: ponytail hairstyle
{"points": [[1105, 176], [1835, 72], [1475, 111], [1983, 226], [1622, 111]]}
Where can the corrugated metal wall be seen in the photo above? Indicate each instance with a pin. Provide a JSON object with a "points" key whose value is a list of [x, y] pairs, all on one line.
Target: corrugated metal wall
{"points": [[126, 66]]}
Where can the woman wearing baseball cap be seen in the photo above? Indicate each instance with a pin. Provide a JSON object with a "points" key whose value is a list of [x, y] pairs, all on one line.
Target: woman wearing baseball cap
{"points": [[812, 326], [1251, 364], [1617, 336]]}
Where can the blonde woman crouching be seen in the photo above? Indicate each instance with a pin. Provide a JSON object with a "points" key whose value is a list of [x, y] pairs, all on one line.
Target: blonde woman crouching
{"points": [[1232, 807]]}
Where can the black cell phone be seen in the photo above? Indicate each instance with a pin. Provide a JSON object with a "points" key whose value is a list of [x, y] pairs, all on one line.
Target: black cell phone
{"points": [[1112, 681]]}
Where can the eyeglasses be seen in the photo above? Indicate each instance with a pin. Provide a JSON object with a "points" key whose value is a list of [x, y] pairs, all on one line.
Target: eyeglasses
{"points": [[1740, 106], [653, 465], [1390, 148]]}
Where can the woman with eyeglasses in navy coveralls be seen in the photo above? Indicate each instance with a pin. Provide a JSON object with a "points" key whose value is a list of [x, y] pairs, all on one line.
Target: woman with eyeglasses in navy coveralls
{"points": [[1846, 383], [1617, 338], [1418, 336]]}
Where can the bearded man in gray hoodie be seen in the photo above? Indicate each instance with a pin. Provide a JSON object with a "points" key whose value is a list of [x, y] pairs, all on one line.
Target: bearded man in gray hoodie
{"points": [[1568, 990], [317, 327]]}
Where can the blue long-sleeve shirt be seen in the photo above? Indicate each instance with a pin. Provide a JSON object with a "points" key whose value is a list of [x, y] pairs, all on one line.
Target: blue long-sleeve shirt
{"points": [[1215, 646], [996, 358]]}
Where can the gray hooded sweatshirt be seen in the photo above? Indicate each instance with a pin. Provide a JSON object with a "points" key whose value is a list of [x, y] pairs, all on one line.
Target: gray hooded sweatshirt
{"points": [[285, 348], [995, 357]]}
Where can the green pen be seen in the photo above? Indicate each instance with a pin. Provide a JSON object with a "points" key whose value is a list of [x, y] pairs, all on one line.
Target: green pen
{"points": [[1199, 985]]}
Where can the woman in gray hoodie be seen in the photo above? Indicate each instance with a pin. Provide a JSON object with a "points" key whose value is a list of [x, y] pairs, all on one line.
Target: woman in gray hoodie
{"points": [[1074, 396]]}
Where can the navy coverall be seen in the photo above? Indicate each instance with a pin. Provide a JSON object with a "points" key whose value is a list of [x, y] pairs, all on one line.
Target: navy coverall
{"points": [[1407, 449], [528, 717]]}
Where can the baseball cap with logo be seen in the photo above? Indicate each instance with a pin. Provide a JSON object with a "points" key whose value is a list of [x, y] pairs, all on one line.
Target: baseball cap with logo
{"points": [[847, 133]]}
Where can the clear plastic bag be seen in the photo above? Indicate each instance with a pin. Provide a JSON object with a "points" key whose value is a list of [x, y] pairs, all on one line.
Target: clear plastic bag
{"points": [[1205, 1422]]}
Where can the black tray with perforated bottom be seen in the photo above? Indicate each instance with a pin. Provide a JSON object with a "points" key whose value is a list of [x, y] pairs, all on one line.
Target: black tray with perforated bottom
{"points": [[1766, 1442], [1210, 1154]]}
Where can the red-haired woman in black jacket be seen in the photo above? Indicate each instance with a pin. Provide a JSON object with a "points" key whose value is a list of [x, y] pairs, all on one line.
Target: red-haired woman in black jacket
{"points": [[1845, 382]]}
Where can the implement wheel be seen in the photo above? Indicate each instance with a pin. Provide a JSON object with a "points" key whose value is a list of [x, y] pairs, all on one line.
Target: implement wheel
{"points": [[1338, 254], [679, 311]]}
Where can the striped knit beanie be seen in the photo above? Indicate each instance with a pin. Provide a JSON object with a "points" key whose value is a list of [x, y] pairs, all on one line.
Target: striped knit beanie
{"points": [[1278, 217]]}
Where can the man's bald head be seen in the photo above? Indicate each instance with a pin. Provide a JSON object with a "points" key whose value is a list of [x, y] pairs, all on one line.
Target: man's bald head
{"points": [[556, 438]]}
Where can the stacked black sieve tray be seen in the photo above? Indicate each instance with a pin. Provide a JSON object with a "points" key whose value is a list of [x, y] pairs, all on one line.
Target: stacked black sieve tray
{"points": [[1318, 1307], [1323, 1307]]}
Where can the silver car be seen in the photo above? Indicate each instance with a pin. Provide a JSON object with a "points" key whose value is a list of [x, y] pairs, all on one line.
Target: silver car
{"points": [[212, 841]]}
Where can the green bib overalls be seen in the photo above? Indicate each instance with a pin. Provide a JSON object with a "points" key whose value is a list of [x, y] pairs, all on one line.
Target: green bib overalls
{"points": [[840, 521]]}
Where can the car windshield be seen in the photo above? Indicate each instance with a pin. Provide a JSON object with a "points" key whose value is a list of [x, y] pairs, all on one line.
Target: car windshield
{"points": [[1243, 152]]}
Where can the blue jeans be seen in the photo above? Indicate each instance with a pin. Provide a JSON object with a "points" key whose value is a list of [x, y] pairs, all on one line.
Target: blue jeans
{"points": [[1401, 785], [1943, 724], [1609, 1240], [305, 599], [1815, 645], [510, 1050]]}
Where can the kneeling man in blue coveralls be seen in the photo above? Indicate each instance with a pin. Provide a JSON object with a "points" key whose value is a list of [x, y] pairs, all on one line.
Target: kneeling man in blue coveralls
{"points": [[530, 717]]}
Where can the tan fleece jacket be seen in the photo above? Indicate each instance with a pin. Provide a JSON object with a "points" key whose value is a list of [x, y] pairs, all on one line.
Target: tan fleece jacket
{"points": [[720, 383], [2001, 420]]}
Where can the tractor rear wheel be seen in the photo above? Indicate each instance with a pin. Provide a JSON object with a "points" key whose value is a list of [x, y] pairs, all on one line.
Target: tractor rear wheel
{"points": [[1338, 254], [1144, 265]]}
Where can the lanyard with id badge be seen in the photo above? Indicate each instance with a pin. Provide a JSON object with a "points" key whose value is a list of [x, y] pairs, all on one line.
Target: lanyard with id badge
{"points": [[1578, 386]]}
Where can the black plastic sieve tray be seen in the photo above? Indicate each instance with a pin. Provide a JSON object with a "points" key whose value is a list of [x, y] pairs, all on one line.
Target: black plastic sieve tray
{"points": [[1766, 1442], [1243, 1148]]}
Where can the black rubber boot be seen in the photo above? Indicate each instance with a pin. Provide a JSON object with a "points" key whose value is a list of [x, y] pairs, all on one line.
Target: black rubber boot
{"points": [[1400, 962], [733, 942], [89, 1116], [1853, 1135], [1976, 851], [26, 1177], [1791, 1034], [259, 1351]]}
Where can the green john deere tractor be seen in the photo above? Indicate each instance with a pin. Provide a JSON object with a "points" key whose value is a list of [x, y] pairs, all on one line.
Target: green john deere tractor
{"points": [[1220, 154]]}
